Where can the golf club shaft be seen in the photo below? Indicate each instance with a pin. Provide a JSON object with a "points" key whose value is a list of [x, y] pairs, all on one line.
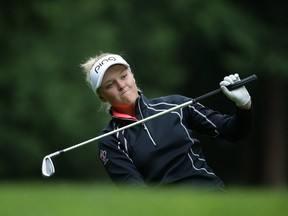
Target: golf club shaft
{"points": [[120, 129], [202, 97]]}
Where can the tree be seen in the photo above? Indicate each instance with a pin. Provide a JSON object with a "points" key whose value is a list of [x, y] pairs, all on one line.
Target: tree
{"points": [[183, 47]]}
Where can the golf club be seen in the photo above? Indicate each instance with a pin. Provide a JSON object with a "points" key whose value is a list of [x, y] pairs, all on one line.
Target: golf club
{"points": [[47, 164]]}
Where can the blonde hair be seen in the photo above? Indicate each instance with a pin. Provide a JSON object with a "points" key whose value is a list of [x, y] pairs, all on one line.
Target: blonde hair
{"points": [[86, 67]]}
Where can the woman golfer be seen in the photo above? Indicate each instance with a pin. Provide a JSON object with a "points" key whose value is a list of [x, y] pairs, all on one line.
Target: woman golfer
{"points": [[164, 150]]}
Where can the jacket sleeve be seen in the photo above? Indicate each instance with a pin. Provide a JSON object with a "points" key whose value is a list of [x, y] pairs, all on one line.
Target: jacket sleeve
{"points": [[230, 127], [118, 164]]}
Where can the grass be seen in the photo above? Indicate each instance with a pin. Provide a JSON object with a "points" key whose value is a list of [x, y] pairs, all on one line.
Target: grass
{"points": [[71, 199]]}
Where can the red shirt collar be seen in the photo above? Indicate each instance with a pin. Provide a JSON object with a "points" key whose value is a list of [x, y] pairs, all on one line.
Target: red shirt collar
{"points": [[123, 115]]}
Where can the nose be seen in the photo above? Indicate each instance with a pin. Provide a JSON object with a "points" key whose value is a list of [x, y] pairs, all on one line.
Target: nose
{"points": [[120, 85]]}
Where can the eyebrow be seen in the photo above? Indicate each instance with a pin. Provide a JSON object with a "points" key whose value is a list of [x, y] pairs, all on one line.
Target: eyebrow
{"points": [[111, 80]]}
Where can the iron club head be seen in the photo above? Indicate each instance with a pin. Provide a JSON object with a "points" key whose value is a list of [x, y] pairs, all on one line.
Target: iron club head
{"points": [[47, 167]]}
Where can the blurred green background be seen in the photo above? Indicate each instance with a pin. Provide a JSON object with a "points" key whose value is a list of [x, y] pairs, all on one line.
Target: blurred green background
{"points": [[175, 47], [92, 199]]}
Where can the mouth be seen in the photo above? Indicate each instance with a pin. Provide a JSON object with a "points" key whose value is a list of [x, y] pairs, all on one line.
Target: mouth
{"points": [[124, 92]]}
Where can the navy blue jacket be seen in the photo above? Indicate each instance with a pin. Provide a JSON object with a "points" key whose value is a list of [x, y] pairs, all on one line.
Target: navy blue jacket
{"points": [[164, 150]]}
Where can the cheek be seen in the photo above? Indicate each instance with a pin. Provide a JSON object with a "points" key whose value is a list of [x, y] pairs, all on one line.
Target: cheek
{"points": [[133, 82], [108, 96]]}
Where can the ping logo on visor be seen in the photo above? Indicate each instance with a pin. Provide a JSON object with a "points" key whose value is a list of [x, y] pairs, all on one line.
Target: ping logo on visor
{"points": [[101, 66], [98, 66]]}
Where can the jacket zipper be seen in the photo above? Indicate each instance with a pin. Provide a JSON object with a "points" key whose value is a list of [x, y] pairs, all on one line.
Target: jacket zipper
{"points": [[149, 134], [145, 127]]}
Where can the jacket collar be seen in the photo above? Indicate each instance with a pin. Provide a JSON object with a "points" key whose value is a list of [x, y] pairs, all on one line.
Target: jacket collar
{"points": [[140, 106]]}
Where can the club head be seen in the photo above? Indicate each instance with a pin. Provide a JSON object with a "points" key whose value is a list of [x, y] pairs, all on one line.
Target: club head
{"points": [[47, 167]]}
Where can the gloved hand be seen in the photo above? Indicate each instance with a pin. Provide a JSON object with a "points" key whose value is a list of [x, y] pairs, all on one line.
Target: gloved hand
{"points": [[240, 95]]}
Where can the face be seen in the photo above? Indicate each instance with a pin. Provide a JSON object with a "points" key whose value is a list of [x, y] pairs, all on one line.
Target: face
{"points": [[118, 87]]}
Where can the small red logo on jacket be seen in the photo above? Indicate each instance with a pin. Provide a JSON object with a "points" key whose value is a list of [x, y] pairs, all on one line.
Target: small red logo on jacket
{"points": [[103, 156]]}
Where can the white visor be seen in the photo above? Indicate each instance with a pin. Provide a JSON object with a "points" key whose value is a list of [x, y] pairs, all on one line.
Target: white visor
{"points": [[100, 67]]}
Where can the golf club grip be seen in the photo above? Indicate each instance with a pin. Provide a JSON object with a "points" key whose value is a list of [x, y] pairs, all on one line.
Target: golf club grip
{"points": [[242, 82], [231, 87]]}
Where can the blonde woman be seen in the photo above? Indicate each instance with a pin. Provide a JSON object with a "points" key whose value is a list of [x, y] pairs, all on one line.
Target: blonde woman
{"points": [[164, 150]]}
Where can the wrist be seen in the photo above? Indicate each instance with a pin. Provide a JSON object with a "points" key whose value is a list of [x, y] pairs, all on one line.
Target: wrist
{"points": [[247, 106]]}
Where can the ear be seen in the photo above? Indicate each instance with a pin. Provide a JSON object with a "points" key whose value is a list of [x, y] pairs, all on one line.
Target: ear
{"points": [[102, 99]]}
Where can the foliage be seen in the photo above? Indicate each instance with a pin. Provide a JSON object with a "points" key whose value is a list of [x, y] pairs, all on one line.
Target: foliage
{"points": [[46, 105]]}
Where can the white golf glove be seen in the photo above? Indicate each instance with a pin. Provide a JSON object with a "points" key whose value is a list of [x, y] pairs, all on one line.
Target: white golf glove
{"points": [[240, 95]]}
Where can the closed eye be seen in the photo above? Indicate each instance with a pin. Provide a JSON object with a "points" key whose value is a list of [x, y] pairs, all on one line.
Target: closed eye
{"points": [[110, 85], [123, 76]]}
